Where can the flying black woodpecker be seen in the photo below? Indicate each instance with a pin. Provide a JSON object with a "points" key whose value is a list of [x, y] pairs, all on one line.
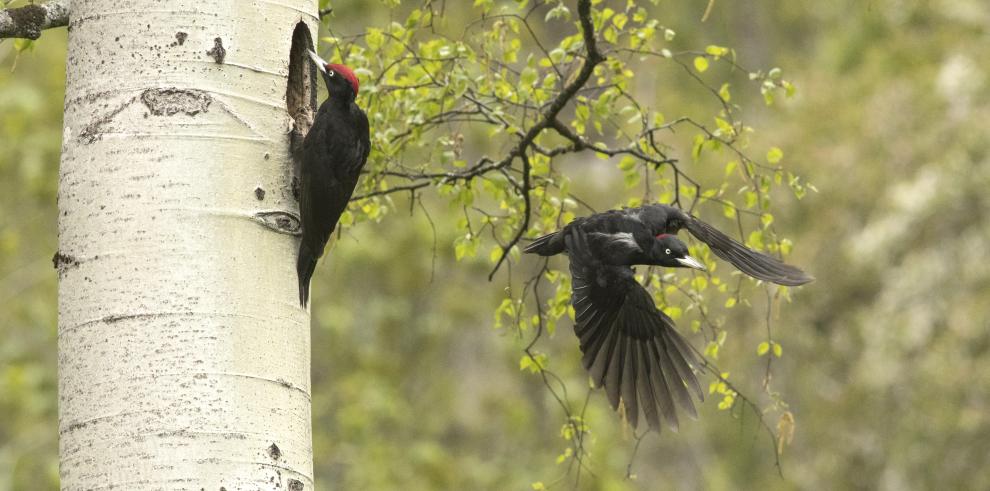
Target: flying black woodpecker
{"points": [[630, 347], [331, 158], [640, 225]]}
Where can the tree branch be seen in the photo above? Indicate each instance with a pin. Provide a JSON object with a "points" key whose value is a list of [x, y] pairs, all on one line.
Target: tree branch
{"points": [[526, 212], [28, 21], [594, 58]]}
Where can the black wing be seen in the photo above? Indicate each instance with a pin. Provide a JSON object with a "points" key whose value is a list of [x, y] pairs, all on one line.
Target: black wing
{"points": [[364, 136], [755, 264], [333, 154], [630, 347]]}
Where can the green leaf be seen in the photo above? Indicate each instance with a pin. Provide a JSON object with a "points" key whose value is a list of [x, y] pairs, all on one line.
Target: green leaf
{"points": [[632, 179], [627, 163], [716, 51], [564, 456], [766, 219], [727, 402], [22, 45], [528, 77], [673, 312], [755, 240], [762, 348], [413, 18], [374, 38], [699, 283], [789, 88], [711, 350], [485, 5], [699, 143], [785, 246], [774, 155], [724, 127], [658, 119], [767, 97], [751, 199], [723, 92], [496, 254], [777, 350], [558, 12], [700, 63], [582, 112], [611, 35], [466, 246], [730, 166], [535, 363], [620, 20]]}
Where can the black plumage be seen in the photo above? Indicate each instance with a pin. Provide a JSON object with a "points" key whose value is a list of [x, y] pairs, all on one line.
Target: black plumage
{"points": [[651, 220], [331, 158], [630, 347]]}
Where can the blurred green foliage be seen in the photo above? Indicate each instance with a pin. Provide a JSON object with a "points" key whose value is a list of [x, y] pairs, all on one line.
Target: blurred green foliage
{"points": [[30, 138], [885, 360]]}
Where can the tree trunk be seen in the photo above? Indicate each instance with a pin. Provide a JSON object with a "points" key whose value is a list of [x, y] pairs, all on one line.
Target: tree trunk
{"points": [[183, 353]]}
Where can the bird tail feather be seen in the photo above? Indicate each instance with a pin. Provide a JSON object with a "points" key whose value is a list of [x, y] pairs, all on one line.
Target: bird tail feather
{"points": [[548, 245], [305, 266]]}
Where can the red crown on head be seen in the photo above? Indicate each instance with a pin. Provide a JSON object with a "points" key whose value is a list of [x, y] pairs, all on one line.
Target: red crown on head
{"points": [[662, 236], [347, 73]]}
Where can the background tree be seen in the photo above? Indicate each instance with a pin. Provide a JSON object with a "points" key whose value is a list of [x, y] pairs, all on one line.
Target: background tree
{"points": [[882, 362]]}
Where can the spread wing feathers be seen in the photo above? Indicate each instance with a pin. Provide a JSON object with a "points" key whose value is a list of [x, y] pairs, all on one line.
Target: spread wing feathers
{"points": [[748, 261], [630, 347]]}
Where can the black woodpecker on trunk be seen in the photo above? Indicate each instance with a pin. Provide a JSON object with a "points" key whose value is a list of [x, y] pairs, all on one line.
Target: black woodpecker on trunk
{"points": [[332, 156]]}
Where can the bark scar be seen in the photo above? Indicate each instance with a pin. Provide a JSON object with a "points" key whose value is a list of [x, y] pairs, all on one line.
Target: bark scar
{"points": [[171, 101], [279, 221], [93, 131], [218, 52], [64, 262], [274, 452]]}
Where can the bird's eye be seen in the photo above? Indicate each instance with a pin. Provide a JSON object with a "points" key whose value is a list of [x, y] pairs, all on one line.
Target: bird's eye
{"points": [[330, 73], [668, 252]]}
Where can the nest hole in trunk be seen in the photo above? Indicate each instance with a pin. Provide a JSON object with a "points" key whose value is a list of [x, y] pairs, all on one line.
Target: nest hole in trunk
{"points": [[300, 95]]}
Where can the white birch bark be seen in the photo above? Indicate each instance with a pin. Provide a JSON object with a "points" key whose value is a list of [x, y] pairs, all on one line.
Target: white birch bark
{"points": [[183, 352]]}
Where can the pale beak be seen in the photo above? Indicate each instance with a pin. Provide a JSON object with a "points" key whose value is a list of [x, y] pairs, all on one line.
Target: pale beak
{"points": [[691, 262], [320, 62]]}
